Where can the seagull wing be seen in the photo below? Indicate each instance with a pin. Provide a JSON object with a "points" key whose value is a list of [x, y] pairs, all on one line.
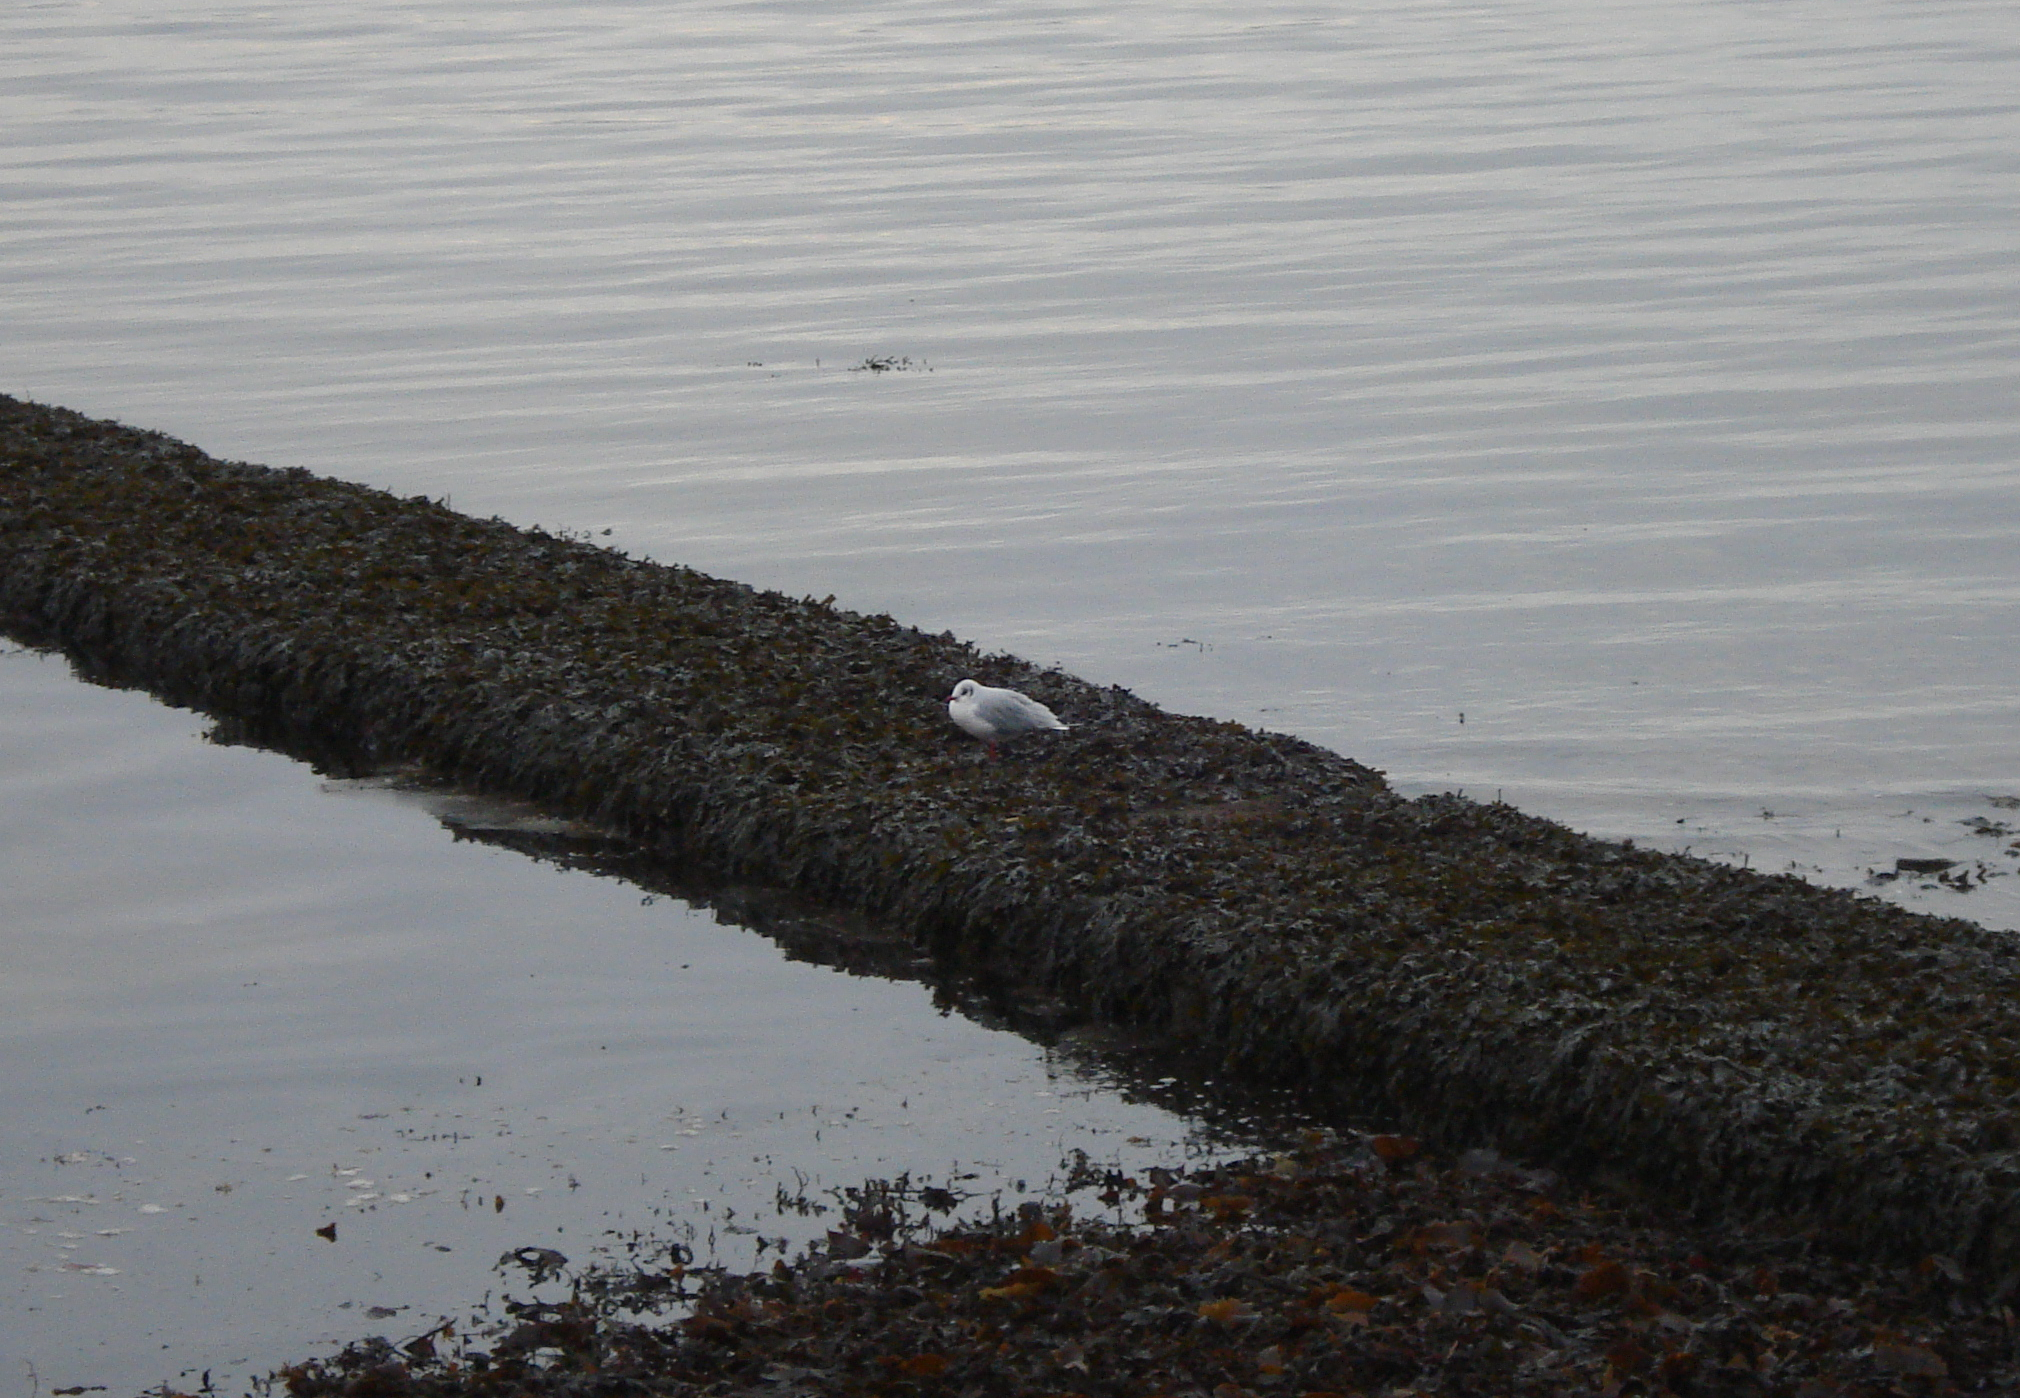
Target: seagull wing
{"points": [[1007, 711]]}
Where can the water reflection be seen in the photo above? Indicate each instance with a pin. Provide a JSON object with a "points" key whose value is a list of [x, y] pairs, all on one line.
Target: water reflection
{"points": [[245, 1003], [805, 930]]}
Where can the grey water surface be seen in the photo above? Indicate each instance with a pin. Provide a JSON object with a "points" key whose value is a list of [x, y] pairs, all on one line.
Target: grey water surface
{"points": [[1613, 409]]}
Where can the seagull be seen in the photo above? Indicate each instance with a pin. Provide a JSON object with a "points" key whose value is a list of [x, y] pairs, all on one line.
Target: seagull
{"points": [[995, 714]]}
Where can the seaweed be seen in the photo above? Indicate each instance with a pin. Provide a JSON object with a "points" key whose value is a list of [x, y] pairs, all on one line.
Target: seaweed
{"points": [[1353, 1265], [1741, 1044]]}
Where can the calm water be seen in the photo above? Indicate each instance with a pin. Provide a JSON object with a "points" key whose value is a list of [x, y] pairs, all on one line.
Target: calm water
{"points": [[1642, 384], [242, 1004]]}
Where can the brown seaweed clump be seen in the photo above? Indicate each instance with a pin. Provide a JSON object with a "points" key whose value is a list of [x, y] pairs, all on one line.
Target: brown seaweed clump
{"points": [[1744, 1044], [1346, 1267]]}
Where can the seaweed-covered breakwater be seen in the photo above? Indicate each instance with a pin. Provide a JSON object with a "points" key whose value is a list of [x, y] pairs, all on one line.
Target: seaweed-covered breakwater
{"points": [[1747, 1044]]}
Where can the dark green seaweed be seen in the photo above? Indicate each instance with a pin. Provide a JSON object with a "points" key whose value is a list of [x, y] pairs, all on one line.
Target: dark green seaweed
{"points": [[1742, 1044]]}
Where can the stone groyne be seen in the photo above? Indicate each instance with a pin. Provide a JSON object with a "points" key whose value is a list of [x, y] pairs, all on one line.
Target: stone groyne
{"points": [[1743, 1044]]}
